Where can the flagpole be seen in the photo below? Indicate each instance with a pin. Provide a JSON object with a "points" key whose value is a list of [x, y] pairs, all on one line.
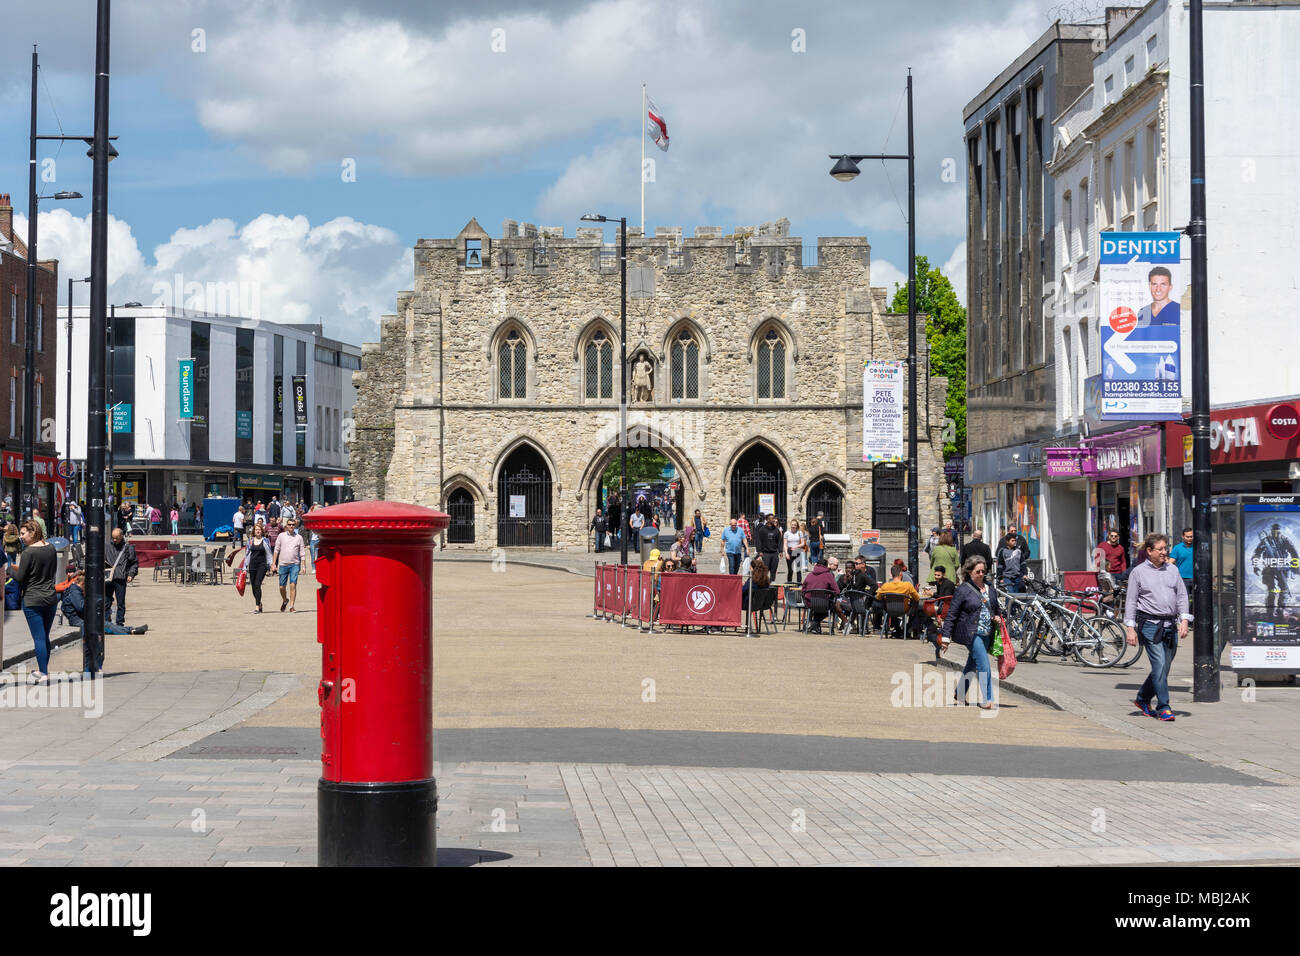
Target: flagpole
{"points": [[642, 128]]}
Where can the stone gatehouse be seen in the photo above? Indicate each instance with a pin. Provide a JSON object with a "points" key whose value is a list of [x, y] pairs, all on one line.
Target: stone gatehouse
{"points": [[493, 392]]}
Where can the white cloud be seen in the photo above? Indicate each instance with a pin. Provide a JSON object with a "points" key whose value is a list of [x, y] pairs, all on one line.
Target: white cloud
{"points": [[955, 270], [280, 268], [885, 275]]}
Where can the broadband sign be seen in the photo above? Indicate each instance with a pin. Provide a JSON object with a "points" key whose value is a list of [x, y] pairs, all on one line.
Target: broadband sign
{"points": [[1142, 297]]}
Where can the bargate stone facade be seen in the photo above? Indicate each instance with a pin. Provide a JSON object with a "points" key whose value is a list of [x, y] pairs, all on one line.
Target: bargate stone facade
{"points": [[505, 345]]}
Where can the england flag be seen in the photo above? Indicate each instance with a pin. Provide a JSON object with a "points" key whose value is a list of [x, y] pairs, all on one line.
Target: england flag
{"points": [[656, 126]]}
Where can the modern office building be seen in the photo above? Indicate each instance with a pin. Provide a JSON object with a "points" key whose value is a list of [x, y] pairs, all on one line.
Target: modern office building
{"points": [[207, 404]]}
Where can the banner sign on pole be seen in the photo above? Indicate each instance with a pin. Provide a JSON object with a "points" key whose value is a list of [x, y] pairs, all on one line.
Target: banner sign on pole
{"points": [[1142, 284], [122, 418], [300, 402], [882, 411], [187, 389], [243, 423]]}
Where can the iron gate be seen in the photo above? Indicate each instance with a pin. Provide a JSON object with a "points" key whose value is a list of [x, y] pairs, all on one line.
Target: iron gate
{"points": [[889, 497], [460, 506], [826, 498], [757, 473], [524, 502]]}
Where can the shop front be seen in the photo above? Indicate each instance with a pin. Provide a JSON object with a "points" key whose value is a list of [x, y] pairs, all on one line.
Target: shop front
{"points": [[1006, 491], [50, 488], [257, 488], [1253, 450], [1126, 484]]}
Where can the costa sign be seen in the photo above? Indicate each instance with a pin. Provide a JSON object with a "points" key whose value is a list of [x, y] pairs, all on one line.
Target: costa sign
{"points": [[1282, 421]]}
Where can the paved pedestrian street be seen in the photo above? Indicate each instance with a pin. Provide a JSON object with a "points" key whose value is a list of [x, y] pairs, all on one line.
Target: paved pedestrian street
{"points": [[564, 740]]}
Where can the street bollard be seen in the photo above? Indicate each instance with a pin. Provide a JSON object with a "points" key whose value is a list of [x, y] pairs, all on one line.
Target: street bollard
{"points": [[376, 799]]}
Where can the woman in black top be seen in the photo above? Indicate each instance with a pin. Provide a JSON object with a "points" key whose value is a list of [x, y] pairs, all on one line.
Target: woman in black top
{"points": [[257, 561], [34, 571]]}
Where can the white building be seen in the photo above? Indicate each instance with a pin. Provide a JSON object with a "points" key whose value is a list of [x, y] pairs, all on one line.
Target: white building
{"points": [[1121, 162], [243, 437]]}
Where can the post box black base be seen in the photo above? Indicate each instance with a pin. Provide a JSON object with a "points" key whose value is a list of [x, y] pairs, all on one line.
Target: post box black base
{"points": [[376, 824]]}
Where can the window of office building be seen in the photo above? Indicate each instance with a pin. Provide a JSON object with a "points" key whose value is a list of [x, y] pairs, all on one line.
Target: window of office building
{"points": [[122, 384], [201, 350], [244, 395], [277, 400]]}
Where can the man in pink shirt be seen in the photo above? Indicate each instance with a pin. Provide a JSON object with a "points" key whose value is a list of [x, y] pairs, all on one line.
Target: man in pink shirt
{"points": [[287, 558]]}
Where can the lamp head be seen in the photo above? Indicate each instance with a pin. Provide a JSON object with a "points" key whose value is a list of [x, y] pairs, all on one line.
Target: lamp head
{"points": [[68, 195], [845, 170], [592, 217]]}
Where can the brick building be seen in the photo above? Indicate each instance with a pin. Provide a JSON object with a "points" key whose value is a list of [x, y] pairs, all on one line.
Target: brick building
{"points": [[13, 317], [493, 392]]}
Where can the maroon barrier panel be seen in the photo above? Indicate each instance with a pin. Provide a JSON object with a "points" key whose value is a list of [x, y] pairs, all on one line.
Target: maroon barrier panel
{"points": [[633, 591], [1079, 581], [700, 599], [595, 600]]}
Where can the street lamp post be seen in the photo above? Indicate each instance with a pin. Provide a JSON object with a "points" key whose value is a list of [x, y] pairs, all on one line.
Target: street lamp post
{"points": [[624, 517], [845, 170], [93, 644]]}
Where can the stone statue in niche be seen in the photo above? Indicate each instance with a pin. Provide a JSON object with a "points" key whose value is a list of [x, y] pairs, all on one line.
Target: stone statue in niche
{"points": [[643, 381]]}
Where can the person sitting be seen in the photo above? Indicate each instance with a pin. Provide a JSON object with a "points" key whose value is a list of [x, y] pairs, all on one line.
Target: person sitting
{"points": [[759, 577], [819, 579], [897, 585], [857, 577], [74, 606], [944, 587], [682, 552], [901, 565], [653, 563]]}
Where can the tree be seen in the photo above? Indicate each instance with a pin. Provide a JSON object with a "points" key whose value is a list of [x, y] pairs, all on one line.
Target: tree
{"points": [[945, 331]]}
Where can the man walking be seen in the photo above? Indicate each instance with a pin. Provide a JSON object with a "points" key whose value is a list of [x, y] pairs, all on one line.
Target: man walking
{"points": [[976, 546], [1183, 556], [1011, 567], [1156, 608], [287, 558], [1116, 556], [767, 541], [121, 558], [735, 545], [598, 528]]}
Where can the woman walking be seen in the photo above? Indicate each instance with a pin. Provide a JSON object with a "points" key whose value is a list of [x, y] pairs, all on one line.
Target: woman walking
{"points": [[257, 561], [34, 571], [970, 622], [176, 520], [816, 539], [796, 542], [700, 533], [944, 555], [74, 521]]}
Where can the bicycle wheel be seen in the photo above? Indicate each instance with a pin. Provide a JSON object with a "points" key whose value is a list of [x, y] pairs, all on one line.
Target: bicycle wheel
{"points": [[1100, 643], [1049, 639], [1132, 654]]}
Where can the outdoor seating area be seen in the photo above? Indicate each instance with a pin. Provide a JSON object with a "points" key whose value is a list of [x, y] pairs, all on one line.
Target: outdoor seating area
{"points": [[190, 564], [681, 601]]}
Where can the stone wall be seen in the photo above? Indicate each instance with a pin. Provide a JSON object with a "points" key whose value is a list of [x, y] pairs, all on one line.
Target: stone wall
{"points": [[429, 418]]}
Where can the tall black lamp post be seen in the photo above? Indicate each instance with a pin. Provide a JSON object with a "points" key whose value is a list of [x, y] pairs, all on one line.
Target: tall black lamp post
{"points": [[624, 517], [845, 170]]}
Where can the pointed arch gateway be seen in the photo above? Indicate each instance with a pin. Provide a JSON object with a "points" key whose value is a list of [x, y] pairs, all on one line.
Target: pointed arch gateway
{"points": [[757, 474], [524, 500], [642, 435]]}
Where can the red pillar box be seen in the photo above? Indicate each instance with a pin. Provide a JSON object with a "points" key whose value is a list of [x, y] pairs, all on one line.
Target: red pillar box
{"points": [[376, 798]]}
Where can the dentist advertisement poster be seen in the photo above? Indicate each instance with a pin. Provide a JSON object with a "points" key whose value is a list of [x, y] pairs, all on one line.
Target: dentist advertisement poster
{"points": [[1142, 287]]}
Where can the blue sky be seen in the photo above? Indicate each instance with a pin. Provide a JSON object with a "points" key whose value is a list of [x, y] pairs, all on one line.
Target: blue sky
{"points": [[233, 138]]}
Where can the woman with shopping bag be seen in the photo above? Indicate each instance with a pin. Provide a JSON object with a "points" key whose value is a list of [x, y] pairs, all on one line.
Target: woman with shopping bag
{"points": [[971, 620], [257, 561]]}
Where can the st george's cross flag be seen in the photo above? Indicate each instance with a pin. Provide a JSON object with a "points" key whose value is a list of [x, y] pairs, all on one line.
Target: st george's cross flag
{"points": [[656, 126]]}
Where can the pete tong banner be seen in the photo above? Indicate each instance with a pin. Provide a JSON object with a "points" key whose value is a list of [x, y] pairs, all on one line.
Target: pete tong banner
{"points": [[700, 599], [300, 402]]}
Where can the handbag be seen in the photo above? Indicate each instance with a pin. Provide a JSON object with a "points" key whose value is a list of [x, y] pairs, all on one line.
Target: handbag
{"points": [[1007, 662], [609, 542], [723, 568], [745, 565], [996, 649], [241, 581]]}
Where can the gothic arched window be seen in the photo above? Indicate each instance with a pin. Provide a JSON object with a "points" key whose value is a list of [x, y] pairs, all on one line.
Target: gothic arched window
{"points": [[771, 365], [685, 366], [512, 366], [598, 370]]}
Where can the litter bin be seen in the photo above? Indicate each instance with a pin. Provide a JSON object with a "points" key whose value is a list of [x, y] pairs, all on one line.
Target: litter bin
{"points": [[649, 542], [60, 546], [875, 555]]}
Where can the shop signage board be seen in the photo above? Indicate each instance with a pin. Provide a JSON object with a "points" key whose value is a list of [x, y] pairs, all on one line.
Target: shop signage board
{"points": [[1142, 285], [243, 424], [1247, 434], [122, 418], [1124, 456], [1064, 462], [1270, 585], [882, 411], [300, 402], [187, 389]]}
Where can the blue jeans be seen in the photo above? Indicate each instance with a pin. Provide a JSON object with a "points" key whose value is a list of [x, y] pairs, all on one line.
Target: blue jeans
{"points": [[74, 533], [733, 562], [977, 661], [1161, 655], [39, 621], [1012, 583], [814, 552]]}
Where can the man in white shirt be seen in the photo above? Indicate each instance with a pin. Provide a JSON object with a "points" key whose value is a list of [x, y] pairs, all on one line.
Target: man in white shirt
{"points": [[237, 522]]}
